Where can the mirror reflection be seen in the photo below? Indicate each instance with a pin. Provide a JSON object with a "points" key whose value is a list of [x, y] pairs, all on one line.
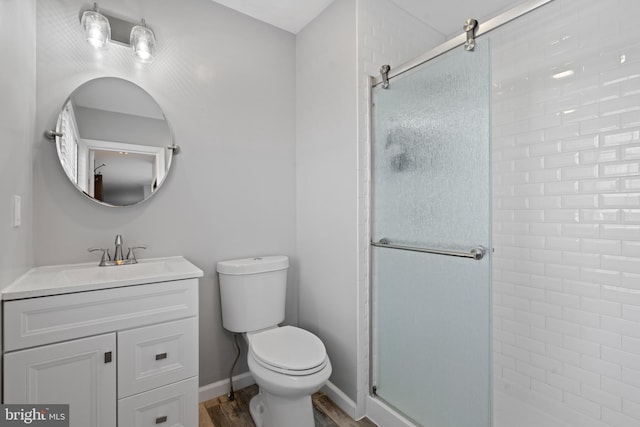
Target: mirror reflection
{"points": [[115, 143]]}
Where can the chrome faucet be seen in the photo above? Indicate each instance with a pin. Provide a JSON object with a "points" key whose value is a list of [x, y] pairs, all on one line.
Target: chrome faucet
{"points": [[117, 256]]}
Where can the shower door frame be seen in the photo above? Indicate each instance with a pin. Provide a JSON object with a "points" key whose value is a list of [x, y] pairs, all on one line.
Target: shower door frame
{"points": [[367, 400], [455, 42]]}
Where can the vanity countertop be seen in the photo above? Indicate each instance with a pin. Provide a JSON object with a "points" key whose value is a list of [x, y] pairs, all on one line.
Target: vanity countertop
{"points": [[64, 279]]}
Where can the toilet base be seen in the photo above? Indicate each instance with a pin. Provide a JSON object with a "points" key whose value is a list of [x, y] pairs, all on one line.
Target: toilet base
{"points": [[268, 410]]}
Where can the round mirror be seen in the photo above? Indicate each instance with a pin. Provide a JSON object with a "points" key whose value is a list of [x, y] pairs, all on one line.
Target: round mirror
{"points": [[114, 142]]}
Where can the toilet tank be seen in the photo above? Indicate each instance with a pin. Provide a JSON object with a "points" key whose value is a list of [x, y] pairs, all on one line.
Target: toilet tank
{"points": [[253, 292]]}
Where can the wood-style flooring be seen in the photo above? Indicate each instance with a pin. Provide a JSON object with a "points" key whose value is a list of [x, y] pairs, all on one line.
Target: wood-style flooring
{"points": [[222, 412]]}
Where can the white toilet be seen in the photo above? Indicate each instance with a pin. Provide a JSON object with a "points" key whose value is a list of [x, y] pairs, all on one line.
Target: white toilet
{"points": [[289, 364]]}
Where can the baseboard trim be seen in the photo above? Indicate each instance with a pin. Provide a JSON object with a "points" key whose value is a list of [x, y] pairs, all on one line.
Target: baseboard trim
{"points": [[340, 399], [384, 415], [221, 388]]}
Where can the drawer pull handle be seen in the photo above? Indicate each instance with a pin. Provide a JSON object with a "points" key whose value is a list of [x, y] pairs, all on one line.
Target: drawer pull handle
{"points": [[161, 420], [161, 356], [107, 357]]}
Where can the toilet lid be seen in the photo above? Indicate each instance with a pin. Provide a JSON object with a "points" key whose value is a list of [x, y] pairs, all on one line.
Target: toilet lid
{"points": [[288, 348]]}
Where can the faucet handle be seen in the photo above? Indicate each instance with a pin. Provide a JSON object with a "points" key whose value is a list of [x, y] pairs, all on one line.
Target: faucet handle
{"points": [[105, 255], [132, 255]]}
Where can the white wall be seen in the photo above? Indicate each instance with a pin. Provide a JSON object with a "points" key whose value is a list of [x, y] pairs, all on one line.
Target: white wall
{"points": [[326, 178], [17, 110], [227, 87], [566, 167]]}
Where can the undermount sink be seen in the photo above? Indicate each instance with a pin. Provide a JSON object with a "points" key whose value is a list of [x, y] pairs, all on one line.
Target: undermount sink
{"points": [[63, 279]]}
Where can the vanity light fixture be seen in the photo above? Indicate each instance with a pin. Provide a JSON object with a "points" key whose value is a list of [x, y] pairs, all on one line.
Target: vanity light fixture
{"points": [[97, 30], [100, 29], [143, 42]]}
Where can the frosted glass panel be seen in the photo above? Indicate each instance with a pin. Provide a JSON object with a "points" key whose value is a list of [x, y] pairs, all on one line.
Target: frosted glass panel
{"points": [[431, 189], [433, 342]]}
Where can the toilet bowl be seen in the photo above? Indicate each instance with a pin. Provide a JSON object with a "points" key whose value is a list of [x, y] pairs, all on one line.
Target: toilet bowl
{"points": [[289, 364]]}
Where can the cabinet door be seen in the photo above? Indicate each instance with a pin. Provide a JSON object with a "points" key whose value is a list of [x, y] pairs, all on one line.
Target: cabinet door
{"points": [[81, 373]]}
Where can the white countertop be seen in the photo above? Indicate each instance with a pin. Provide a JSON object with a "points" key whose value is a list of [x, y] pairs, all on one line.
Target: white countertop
{"points": [[64, 279]]}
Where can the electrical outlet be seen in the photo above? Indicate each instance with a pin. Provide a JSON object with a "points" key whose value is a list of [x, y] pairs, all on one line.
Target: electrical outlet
{"points": [[17, 211]]}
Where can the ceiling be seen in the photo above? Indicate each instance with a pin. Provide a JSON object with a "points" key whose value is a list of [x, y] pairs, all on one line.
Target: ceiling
{"points": [[117, 95], [447, 17], [290, 15]]}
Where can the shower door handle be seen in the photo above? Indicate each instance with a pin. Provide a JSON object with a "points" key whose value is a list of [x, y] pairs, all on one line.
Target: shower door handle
{"points": [[477, 253]]}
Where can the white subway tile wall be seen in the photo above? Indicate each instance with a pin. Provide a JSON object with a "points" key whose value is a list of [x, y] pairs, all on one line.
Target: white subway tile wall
{"points": [[566, 204]]}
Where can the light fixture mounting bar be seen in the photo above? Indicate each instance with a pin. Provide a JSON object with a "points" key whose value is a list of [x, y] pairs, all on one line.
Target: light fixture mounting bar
{"points": [[120, 30]]}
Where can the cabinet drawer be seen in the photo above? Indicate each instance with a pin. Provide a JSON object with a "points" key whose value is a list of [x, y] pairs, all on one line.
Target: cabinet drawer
{"points": [[153, 356], [175, 405], [44, 320]]}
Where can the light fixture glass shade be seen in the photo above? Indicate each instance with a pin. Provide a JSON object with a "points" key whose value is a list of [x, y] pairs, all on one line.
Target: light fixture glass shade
{"points": [[143, 42], [96, 27]]}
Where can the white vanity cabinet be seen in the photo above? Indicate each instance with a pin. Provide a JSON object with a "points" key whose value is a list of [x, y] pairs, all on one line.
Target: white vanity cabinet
{"points": [[122, 356]]}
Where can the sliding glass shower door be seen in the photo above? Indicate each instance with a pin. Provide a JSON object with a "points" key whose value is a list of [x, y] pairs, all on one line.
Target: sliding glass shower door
{"points": [[431, 310]]}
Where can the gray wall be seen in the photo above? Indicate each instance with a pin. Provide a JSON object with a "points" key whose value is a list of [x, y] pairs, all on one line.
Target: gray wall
{"points": [[18, 95], [17, 110], [226, 83], [327, 194]]}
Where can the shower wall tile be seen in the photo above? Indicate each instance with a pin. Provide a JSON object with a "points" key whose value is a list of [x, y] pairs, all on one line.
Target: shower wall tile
{"points": [[566, 203]]}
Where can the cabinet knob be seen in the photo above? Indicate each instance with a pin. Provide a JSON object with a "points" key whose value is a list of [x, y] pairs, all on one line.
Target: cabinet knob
{"points": [[108, 357], [161, 356], [161, 420]]}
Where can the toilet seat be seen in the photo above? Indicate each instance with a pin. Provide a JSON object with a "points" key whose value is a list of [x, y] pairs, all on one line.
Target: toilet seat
{"points": [[288, 350]]}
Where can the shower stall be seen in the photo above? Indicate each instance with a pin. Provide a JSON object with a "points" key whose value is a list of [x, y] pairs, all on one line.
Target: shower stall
{"points": [[505, 223]]}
